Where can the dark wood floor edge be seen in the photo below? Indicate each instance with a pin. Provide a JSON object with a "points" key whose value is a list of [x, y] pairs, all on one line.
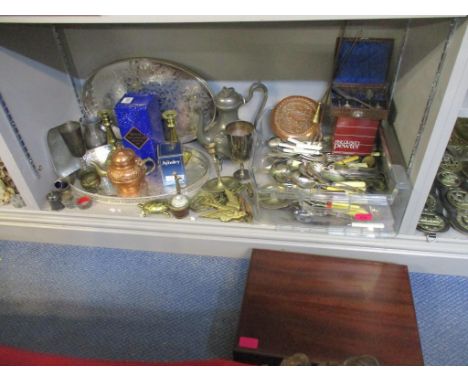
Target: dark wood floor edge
{"points": [[249, 275], [415, 317], [253, 358]]}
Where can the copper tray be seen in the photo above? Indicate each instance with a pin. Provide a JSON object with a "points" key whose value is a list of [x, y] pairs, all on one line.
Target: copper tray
{"points": [[292, 118]]}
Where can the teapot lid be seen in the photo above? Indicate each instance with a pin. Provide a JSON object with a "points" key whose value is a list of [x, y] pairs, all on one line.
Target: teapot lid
{"points": [[123, 157], [228, 98]]}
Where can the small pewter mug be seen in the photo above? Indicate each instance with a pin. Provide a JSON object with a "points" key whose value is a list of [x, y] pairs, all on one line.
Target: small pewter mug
{"points": [[55, 200], [71, 134]]}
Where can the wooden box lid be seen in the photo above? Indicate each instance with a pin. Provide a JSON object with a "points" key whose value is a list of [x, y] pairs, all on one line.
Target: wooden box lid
{"points": [[329, 308]]}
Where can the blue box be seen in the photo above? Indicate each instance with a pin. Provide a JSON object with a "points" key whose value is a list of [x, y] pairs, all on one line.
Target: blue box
{"points": [[139, 120], [171, 160]]}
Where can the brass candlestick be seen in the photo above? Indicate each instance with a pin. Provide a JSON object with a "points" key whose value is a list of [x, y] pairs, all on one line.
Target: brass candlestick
{"points": [[169, 117], [107, 123], [220, 183]]}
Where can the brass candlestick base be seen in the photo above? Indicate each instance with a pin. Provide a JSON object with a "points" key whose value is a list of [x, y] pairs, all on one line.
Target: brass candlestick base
{"points": [[220, 184]]}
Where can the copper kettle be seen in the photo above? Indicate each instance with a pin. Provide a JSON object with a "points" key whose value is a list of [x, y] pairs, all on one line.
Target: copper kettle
{"points": [[126, 171]]}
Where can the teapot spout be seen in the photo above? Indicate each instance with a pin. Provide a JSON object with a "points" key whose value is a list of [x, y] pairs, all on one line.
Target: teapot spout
{"points": [[99, 169]]}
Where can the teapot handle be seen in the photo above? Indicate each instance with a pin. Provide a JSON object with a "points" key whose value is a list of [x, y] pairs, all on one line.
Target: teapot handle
{"points": [[260, 87], [152, 165]]}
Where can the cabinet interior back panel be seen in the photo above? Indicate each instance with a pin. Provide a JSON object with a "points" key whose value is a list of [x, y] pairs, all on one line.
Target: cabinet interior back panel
{"points": [[229, 52], [36, 42], [291, 51]]}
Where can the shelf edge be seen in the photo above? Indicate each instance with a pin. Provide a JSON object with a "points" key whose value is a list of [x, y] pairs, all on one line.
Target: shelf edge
{"points": [[141, 19], [227, 240]]}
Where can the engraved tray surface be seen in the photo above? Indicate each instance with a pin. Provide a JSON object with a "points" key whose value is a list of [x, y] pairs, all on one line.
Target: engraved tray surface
{"points": [[196, 171], [177, 88]]}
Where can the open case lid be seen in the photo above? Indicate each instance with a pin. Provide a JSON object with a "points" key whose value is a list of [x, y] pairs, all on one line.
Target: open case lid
{"points": [[362, 61]]}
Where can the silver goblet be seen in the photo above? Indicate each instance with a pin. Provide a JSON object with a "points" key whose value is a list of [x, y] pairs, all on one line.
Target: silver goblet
{"points": [[240, 139]]}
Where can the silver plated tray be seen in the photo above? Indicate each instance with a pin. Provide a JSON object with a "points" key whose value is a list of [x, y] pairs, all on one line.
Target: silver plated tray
{"points": [[196, 171], [177, 88]]}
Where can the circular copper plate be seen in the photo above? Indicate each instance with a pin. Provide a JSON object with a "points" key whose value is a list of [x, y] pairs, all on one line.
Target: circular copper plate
{"points": [[292, 118]]}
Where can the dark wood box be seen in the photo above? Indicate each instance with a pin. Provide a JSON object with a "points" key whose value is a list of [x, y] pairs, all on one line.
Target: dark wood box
{"points": [[328, 308], [360, 86]]}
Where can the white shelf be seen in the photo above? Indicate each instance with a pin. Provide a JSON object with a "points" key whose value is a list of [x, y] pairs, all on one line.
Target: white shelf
{"points": [[452, 236], [109, 19], [157, 233]]}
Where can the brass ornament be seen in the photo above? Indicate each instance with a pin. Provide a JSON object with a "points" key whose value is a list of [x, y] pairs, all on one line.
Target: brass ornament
{"points": [[431, 203], [225, 206], [432, 222], [461, 222], [154, 207], [457, 198], [448, 179]]}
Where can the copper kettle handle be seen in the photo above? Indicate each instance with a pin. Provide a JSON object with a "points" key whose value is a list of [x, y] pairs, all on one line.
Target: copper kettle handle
{"points": [[152, 165], [260, 87]]}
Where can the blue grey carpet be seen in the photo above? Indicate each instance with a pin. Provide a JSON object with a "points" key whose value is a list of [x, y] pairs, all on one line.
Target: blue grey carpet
{"points": [[442, 313], [120, 304]]}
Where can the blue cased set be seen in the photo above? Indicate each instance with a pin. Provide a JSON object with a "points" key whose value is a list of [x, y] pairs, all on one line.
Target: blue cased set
{"points": [[361, 73], [139, 119], [359, 93]]}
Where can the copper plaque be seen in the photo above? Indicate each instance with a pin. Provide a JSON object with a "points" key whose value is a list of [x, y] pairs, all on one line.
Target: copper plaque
{"points": [[292, 118]]}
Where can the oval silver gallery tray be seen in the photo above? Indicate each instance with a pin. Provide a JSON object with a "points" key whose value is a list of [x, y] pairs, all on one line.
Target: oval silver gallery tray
{"points": [[196, 172], [177, 88]]}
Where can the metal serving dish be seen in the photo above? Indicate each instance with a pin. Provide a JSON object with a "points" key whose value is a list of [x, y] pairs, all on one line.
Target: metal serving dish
{"points": [[177, 88], [196, 171]]}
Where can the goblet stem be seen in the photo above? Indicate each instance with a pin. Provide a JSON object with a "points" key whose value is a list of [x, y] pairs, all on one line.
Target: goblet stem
{"points": [[242, 173], [242, 170], [220, 184]]}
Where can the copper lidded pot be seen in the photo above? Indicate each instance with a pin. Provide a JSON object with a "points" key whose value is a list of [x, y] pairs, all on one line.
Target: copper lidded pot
{"points": [[126, 171]]}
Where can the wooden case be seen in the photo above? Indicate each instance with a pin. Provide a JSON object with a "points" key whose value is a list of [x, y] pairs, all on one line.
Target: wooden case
{"points": [[360, 78]]}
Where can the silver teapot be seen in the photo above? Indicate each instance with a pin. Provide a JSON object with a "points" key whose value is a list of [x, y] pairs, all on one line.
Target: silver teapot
{"points": [[228, 102]]}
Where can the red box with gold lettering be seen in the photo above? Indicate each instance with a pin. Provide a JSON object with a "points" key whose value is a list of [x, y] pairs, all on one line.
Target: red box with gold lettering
{"points": [[354, 136]]}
